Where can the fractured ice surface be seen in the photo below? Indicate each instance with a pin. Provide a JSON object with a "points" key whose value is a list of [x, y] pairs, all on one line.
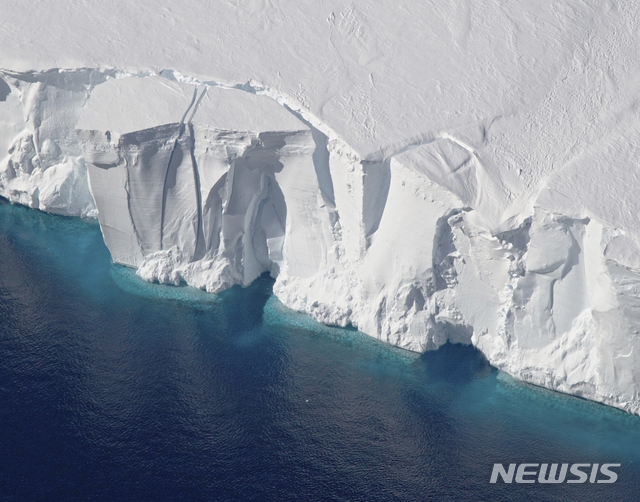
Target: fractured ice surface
{"points": [[462, 171], [191, 182], [44, 167]]}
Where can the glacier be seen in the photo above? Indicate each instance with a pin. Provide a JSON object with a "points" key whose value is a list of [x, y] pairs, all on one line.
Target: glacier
{"points": [[481, 192]]}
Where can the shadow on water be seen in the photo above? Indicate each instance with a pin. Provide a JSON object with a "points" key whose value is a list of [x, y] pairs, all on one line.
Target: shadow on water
{"points": [[455, 364]]}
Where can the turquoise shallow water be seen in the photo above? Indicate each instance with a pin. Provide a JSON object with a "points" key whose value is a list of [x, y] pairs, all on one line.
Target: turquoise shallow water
{"points": [[115, 389]]}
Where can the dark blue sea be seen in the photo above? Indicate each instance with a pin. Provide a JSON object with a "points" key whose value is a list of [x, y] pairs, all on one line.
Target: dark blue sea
{"points": [[115, 389]]}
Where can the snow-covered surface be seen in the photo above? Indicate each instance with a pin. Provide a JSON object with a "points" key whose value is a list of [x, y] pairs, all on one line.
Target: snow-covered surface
{"points": [[427, 171]]}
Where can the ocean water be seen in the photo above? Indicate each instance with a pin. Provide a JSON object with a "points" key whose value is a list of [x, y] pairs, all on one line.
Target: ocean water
{"points": [[115, 389]]}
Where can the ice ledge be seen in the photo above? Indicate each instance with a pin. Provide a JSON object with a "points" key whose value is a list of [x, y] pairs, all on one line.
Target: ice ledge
{"points": [[214, 184]]}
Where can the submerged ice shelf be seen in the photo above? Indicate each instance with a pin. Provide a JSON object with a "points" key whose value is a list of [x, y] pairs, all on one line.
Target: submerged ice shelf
{"points": [[213, 185]]}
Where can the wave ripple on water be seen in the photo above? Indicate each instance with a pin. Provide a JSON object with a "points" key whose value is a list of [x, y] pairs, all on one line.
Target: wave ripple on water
{"points": [[115, 389]]}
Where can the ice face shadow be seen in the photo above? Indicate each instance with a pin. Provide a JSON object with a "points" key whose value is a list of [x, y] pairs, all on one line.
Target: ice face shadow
{"points": [[5, 90]]}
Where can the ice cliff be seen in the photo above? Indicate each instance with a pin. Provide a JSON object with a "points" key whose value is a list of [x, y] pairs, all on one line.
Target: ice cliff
{"points": [[426, 173], [214, 186]]}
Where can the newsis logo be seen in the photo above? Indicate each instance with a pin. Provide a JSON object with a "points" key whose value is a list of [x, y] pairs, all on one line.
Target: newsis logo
{"points": [[543, 473]]}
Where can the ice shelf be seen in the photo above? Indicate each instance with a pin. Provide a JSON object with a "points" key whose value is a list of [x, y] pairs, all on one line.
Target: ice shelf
{"points": [[461, 172]]}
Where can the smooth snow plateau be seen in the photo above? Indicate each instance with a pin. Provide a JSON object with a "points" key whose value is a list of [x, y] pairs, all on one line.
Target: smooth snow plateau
{"points": [[426, 171]]}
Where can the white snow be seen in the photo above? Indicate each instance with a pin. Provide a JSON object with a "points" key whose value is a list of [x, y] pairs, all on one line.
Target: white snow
{"points": [[431, 171]]}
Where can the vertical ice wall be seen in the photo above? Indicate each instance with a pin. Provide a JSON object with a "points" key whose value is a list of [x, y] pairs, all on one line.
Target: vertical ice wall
{"points": [[43, 165], [211, 186], [214, 186]]}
